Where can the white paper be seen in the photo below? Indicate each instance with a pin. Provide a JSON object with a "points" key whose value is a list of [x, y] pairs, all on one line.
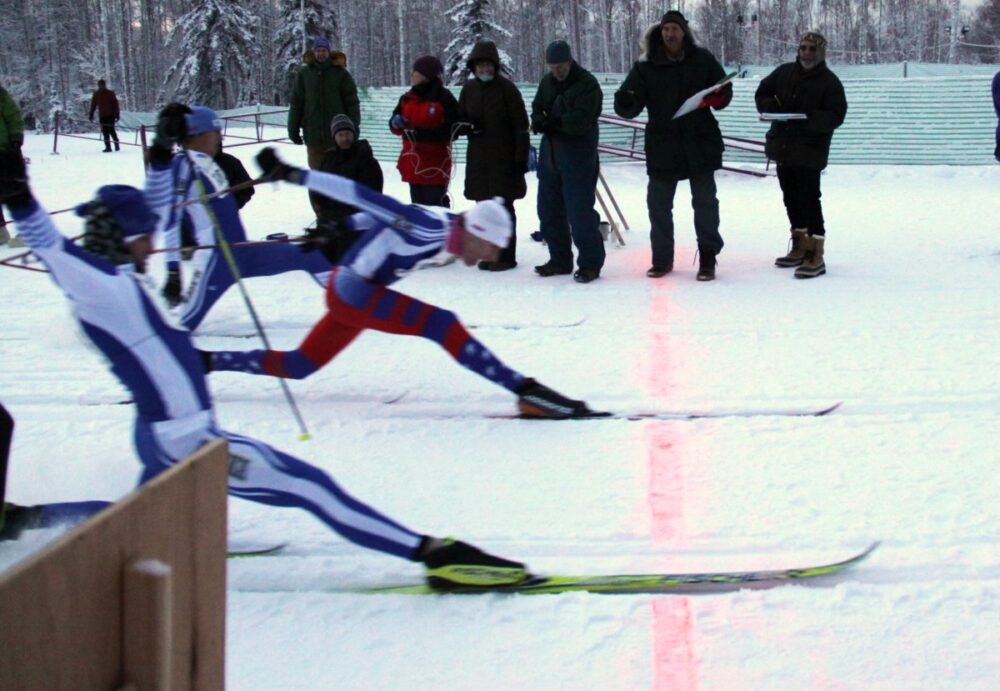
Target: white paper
{"points": [[693, 101]]}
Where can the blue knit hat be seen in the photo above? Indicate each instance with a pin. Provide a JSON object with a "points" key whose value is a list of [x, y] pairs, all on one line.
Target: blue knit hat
{"points": [[201, 120], [558, 52], [321, 42], [117, 215]]}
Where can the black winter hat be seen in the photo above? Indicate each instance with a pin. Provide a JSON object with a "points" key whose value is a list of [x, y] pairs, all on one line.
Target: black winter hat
{"points": [[558, 52], [675, 17], [429, 66]]}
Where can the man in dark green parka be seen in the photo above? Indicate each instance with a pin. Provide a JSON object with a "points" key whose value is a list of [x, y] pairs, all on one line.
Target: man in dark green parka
{"points": [[12, 138], [565, 111], [670, 70], [323, 89]]}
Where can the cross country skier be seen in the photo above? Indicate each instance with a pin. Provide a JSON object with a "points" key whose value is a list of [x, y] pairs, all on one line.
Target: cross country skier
{"points": [[396, 237], [161, 368], [187, 177]]}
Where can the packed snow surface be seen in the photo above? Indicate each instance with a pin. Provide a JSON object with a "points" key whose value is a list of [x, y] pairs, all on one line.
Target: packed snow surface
{"points": [[903, 329]]}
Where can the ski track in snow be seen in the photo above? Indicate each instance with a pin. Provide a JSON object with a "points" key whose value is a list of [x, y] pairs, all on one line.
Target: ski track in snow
{"points": [[903, 329]]}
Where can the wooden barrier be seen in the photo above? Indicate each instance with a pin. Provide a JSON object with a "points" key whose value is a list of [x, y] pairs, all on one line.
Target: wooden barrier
{"points": [[133, 598]]}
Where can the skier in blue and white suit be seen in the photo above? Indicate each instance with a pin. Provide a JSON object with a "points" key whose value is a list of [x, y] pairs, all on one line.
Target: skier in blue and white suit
{"points": [[163, 371], [186, 178]]}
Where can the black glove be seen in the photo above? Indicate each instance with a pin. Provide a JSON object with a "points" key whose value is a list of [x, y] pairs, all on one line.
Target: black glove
{"points": [[624, 100], [294, 137], [14, 189], [171, 125], [16, 140], [172, 288], [273, 168], [552, 125], [161, 152]]}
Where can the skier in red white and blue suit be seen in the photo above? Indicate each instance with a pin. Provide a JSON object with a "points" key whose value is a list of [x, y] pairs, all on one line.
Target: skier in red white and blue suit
{"points": [[159, 365], [186, 177], [395, 238]]}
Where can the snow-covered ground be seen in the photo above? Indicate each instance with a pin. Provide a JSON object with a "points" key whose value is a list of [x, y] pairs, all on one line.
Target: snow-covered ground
{"points": [[903, 329]]}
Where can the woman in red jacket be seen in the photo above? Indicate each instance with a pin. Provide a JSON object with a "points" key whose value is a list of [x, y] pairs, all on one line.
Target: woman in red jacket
{"points": [[425, 118]]}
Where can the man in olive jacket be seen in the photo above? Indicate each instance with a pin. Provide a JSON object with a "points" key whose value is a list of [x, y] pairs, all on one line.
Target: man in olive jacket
{"points": [[565, 111], [496, 123], [323, 88], [671, 69], [11, 137], [801, 147]]}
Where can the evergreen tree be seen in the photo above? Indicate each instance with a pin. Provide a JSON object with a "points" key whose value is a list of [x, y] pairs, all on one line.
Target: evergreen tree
{"points": [[317, 20], [473, 22], [216, 45]]}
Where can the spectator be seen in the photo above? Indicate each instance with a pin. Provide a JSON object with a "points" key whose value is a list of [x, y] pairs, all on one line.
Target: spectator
{"points": [[497, 125], [565, 111], [996, 107], [671, 68], [11, 139], [105, 103], [323, 89], [175, 416], [801, 147], [424, 118], [353, 159]]}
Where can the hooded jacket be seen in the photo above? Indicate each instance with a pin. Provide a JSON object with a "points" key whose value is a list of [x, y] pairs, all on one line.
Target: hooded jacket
{"points": [[356, 163], [819, 94], [692, 143], [497, 156], [576, 102], [322, 90]]}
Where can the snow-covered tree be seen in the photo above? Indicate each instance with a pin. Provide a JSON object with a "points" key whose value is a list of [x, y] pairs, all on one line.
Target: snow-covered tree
{"points": [[217, 47], [474, 22]]}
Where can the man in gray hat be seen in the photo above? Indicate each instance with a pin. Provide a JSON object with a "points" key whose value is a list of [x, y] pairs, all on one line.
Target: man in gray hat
{"points": [[565, 111]]}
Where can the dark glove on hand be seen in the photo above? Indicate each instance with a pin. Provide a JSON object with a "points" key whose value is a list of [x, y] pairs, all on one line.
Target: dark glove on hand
{"points": [[318, 237], [14, 189], [273, 168], [294, 137], [170, 124], [624, 100], [552, 125], [172, 288], [161, 152], [467, 127]]}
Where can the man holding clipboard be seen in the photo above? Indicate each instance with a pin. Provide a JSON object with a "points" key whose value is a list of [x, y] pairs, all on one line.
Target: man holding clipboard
{"points": [[805, 103], [682, 141]]}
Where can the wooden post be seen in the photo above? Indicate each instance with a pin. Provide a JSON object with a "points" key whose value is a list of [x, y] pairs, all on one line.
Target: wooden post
{"points": [[148, 624]]}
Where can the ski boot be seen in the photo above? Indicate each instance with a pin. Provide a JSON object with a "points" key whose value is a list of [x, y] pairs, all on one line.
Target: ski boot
{"points": [[538, 400], [451, 563]]}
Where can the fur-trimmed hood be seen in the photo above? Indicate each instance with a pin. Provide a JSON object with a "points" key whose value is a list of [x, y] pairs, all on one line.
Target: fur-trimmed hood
{"points": [[651, 44], [338, 58]]}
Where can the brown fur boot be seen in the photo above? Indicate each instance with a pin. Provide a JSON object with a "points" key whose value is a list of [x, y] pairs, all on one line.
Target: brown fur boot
{"points": [[797, 251], [812, 265]]}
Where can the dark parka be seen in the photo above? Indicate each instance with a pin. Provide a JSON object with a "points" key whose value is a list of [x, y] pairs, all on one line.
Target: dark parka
{"points": [[692, 143], [576, 102], [817, 93], [355, 163], [322, 90], [497, 157]]}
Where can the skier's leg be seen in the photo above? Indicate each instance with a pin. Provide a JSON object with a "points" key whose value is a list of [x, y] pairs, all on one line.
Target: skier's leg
{"points": [[357, 302], [266, 475], [279, 258]]}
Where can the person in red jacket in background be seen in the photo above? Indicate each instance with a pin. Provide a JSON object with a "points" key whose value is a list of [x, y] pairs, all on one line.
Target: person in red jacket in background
{"points": [[425, 118], [105, 103]]}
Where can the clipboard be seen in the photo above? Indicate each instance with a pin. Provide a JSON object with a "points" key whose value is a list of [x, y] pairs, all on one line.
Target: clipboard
{"points": [[692, 102]]}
